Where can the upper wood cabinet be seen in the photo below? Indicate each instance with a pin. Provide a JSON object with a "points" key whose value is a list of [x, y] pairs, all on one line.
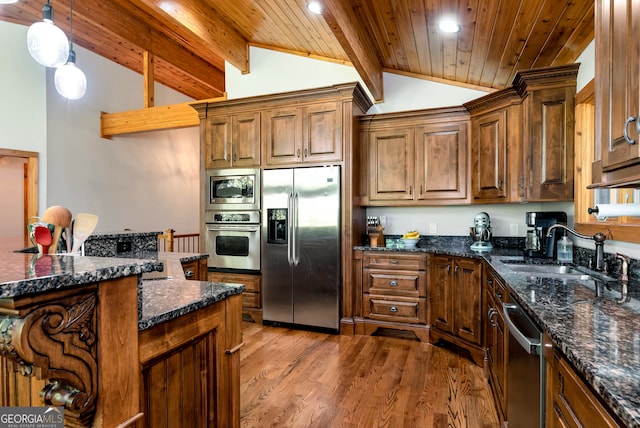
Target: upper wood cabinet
{"points": [[417, 158], [522, 139], [232, 140], [304, 134], [617, 92], [495, 134]]}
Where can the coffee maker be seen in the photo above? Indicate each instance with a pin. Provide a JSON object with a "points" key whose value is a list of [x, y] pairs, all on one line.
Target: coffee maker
{"points": [[537, 243]]}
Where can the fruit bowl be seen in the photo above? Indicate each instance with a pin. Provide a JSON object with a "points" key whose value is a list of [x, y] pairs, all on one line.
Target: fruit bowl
{"points": [[410, 243]]}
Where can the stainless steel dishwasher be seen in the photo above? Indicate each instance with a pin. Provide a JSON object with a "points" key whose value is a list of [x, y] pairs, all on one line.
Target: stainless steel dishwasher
{"points": [[526, 369]]}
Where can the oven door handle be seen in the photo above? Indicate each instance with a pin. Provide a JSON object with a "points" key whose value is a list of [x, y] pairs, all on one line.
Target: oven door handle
{"points": [[530, 344], [231, 228]]}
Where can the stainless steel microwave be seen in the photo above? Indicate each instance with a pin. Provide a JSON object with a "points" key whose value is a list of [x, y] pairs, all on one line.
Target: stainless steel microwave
{"points": [[233, 189]]}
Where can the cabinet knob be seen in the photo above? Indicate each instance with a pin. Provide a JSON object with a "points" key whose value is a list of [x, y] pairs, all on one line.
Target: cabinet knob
{"points": [[498, 295], [626, 126], [393, 309], [188, 273], [393, 283]]}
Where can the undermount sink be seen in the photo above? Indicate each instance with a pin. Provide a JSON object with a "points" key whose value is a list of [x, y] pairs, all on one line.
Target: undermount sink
{"points": [[549, 271]]}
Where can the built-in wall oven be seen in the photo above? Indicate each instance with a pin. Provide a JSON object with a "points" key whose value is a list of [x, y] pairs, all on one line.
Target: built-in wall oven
{"points": [[233, 240]]}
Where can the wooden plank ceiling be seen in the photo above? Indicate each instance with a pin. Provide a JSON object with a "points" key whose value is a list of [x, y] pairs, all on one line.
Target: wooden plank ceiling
{"points": [[191, 39]]}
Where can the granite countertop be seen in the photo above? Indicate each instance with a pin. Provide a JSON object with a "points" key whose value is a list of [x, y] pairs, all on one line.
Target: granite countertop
{"points": [[160, 300], [166, 298], [595, 333]]}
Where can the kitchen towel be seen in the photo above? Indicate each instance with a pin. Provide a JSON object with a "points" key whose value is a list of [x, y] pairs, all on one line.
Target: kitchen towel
{"points": [[603, 211]]}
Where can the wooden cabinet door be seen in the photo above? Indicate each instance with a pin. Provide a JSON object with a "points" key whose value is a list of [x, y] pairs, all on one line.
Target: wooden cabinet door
{"points": [[549, 155], [322, 133], [218, 141], [489, 157], [246, 140], [617, 81], [570, 402], [391, 165], [440, 294], [467, 302], [282, 133], [441, 152]]}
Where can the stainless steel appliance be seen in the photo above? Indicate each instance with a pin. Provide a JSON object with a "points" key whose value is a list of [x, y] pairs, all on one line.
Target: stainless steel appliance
{"points": [[537, 244], [233, 189], [526, 369], [301, 277], [233, 240]]}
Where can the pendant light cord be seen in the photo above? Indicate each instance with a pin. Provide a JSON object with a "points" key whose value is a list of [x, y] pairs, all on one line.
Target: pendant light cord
{"points": [[70, 24]]}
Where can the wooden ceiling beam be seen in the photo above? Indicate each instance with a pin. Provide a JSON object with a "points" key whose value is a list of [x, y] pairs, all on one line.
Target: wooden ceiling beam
{"points": [[356, 43], [199, 26], [117, 35]]}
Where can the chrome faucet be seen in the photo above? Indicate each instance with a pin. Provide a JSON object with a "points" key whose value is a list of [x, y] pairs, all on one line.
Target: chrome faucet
{"points": [[599, 239]]}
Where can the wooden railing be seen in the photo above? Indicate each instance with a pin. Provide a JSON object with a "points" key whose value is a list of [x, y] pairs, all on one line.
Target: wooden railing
{"points": [[170, 241]]}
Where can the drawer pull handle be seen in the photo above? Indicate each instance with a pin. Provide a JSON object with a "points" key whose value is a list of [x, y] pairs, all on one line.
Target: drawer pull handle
{"points": [[490, 281], [188, 273], [393, 309], [393, 283], [499, 295], [394, 262]]}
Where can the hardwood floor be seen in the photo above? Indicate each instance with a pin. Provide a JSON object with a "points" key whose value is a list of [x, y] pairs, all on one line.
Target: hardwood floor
{"points": [[293, 378]]}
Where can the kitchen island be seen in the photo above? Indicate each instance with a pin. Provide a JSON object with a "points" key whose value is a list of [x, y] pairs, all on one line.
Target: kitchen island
{"points": [[586, 324], [89, 334]]}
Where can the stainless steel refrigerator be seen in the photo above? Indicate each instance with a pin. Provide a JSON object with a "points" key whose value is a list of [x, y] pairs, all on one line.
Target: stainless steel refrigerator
{"points": [[301, 273]]}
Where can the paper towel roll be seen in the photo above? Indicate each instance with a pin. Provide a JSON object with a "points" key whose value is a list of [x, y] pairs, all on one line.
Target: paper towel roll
{"points": [[603, 211]]}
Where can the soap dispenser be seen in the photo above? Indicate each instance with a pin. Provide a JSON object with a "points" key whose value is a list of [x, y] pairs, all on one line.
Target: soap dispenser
{"points": [[565, 249]]}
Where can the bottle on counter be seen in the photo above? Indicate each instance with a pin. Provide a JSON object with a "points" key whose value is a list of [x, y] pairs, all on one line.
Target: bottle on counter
{"points": [[565, 250]]}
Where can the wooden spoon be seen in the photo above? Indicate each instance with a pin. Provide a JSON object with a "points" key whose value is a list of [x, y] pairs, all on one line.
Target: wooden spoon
{"points": [[83, 225], [60, 217], [43, 237]]}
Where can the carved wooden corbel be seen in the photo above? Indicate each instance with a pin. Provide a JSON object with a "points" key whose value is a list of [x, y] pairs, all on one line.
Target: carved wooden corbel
{"points": [[57, 342]]}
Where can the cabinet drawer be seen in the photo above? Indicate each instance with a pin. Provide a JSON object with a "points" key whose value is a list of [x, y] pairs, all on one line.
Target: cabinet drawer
{"points": [[396, 283], [399, 310], [495, 288], [251, 282], [251, 300], [395, 261]]}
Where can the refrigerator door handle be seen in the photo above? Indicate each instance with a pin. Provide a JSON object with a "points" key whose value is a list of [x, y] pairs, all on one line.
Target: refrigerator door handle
{"points": [[295, 257], [290, 227]]}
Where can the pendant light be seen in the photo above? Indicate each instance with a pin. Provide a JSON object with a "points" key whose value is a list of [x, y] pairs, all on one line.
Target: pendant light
{"points": [[47, 43], [70, 81]]}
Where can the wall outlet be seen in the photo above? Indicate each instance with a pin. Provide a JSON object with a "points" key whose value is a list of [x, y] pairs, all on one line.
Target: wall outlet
{"points": [[123, 247], [513, 229], [433, 228]]}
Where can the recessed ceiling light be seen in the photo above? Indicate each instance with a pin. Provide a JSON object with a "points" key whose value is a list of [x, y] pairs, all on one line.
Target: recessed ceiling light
{"points": [[315, 7], [449, 26]]}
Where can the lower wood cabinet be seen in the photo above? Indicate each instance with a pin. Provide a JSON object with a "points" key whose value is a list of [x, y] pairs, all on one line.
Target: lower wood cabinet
{"points": [[455, 300], [191, 368], [496, 340], [252, 295], [570, 402], [195, 269], [394, 291]]}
